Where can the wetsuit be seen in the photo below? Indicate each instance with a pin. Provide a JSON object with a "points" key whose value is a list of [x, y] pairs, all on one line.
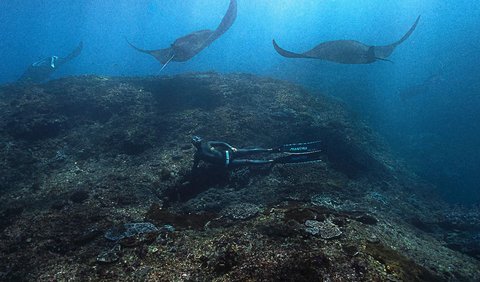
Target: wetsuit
{"points": [[221, 153]]}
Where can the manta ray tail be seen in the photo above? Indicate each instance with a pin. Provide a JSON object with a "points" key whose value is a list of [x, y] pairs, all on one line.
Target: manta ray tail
{"points": [[386, 60], [286, 53], [165, 65]]}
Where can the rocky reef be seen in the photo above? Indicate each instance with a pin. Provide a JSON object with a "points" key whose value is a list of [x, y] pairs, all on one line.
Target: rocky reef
{"points": [[97, 184]]}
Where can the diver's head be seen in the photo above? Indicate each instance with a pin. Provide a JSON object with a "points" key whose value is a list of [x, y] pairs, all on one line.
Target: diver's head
{"points": [[196, 140]]}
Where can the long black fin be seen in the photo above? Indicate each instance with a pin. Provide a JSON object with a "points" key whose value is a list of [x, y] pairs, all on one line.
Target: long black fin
{"points": [[298, 148], [299, 158]]}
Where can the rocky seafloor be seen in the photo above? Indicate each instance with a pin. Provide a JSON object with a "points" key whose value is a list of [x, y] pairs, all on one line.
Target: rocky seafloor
{"points": [[97, 184]]}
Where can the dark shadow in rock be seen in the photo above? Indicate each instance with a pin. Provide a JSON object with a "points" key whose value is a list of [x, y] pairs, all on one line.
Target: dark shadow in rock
{"points": [[123, 143], [160, 216], [301, 266], [8, 215], [403, 267], [341, 155], [198, 181], [422, 225], [347, 157], [79, 196], [85, 110], [471, 248], [361, 217], [35, 129], [175, 95]]}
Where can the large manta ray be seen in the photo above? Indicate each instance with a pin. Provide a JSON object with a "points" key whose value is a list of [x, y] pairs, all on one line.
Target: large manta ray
{"points": [[186, 47], [347, 51]]}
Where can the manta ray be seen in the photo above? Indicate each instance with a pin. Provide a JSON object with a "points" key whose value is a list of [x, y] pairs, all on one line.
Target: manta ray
{"points": [[348, 51], [433, 82], [41, 70], [186, 47]]}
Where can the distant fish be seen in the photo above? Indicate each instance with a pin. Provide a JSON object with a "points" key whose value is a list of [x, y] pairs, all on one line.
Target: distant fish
{"points": [[186, 47], [421, 89], [41, 70], [347, 51]]}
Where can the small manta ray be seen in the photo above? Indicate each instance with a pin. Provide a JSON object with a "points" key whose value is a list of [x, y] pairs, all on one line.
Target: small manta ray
{"points": [[186, 47], [433, 82], [348, 51], [41, 70]]}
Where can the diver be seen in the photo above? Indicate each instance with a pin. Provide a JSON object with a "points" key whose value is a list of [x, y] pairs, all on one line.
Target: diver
{"points": [[223, 154], [41, 70]]}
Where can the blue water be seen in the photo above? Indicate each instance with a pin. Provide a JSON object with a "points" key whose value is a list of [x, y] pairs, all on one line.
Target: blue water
{"points": [[436, 130]]}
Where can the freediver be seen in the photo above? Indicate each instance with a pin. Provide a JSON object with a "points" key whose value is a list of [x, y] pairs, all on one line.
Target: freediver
{"points": [[41, 70], [223, 154]]}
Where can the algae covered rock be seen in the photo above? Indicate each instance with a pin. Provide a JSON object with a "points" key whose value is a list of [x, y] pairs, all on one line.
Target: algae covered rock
{"points": [[128, 230], [326, 229], [83, 154], [241, 211]]}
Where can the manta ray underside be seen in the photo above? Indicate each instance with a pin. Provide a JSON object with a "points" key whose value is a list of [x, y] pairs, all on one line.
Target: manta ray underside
{"points": [[40, 71], [186, 47], [348, 51]]}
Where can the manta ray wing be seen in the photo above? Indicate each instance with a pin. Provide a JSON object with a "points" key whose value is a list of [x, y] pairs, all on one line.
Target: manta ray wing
{"points": [[162, 55], [383, 52], [226, 23], [72, 55], [286, 53]]}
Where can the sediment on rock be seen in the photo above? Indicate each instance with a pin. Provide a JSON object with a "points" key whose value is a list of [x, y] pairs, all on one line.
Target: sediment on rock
{"points": [[83, 155]]}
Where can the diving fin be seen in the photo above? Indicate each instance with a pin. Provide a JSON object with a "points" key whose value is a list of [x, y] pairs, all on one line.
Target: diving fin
{"points": [[299, 148], [299, 158]]}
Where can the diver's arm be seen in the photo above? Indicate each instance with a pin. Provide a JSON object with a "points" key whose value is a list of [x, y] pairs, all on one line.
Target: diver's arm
{"points": [[246, 152], [241, 162], [196, 160], [223, 144], [241, 152]]}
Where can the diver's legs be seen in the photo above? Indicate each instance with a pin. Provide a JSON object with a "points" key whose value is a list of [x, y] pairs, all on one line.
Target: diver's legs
{"points": [[243, 162], [244, 152]]}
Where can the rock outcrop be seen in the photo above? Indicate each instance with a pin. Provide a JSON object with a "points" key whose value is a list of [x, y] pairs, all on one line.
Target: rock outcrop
{"points": [[84, 154]]}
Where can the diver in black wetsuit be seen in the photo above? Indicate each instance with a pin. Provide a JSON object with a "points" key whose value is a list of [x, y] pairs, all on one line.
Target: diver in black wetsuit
{"points": [[223, 154], [41, 70]]}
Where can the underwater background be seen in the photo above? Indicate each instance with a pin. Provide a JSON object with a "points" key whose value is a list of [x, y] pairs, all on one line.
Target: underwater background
{"points": [[377, 178], [426, 103]]}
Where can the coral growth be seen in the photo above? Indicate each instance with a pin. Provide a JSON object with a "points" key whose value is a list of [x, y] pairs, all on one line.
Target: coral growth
{"points": [[83, 155]]}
